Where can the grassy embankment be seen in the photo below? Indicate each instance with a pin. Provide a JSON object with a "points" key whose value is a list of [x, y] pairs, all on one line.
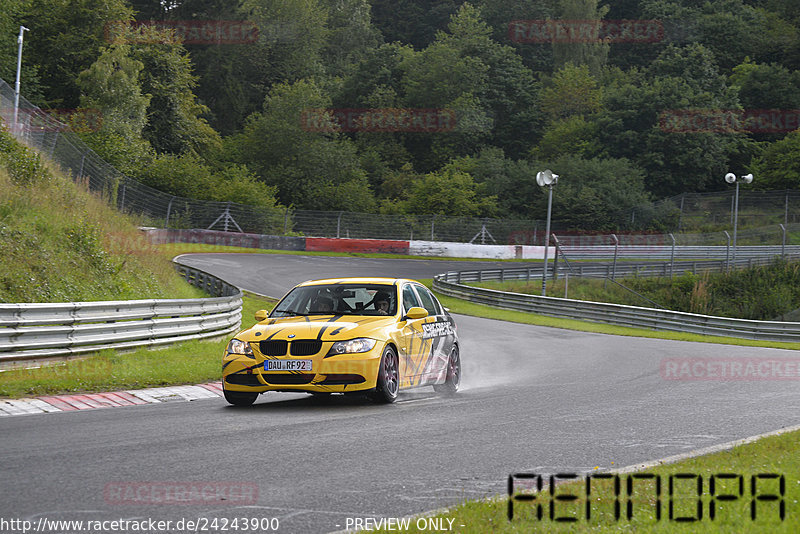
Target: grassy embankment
{"points": [[58, 243]]}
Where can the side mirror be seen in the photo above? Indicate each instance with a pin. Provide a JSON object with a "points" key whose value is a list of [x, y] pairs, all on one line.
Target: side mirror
{"points": [[261, 315], [416, 313]]}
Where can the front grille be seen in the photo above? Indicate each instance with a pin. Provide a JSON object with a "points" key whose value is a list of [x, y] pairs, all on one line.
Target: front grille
{"points": [[342, 379], [305, 347], [273, 347], [243, 380], [287, 379]]}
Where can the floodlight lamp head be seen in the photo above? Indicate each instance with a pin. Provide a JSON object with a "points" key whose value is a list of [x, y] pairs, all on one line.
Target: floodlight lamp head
{"points": [[730, 178], [546, 177], [748, 178]]}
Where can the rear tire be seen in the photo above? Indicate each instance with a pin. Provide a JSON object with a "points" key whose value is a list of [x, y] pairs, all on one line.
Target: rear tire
{"points": [[240, 398], [453, 380], [388, 377]]}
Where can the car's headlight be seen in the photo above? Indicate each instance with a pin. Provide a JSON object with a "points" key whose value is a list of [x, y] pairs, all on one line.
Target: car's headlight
{"points": [[237, 346], [352, 346]]}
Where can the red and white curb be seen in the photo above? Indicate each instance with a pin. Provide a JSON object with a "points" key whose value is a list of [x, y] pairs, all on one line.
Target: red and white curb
{"points": [[115, 399]]}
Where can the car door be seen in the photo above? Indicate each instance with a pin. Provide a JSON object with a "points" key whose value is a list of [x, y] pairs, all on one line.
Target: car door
{"points": [[438, 336], [412, 342]]}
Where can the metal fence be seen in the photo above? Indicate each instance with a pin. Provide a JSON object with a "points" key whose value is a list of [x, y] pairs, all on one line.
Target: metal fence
{"points": [[47, 330], [688, 212], [452, 284]]}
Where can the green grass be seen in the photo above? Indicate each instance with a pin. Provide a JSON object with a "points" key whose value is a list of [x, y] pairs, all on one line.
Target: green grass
{"points": [[191, 362], [773, 455]]}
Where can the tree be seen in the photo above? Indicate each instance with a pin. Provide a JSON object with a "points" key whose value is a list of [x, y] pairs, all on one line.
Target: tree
{"points": [[350, 35], [111, 86], [591, 54], [66, 37], [763, 86], [574, 135], [683, 81], [538, 57], [593, 193], [574, 91], [779, 166], [293, 144], [412, 22], [512, 182], [449, 192], [175, 122]]}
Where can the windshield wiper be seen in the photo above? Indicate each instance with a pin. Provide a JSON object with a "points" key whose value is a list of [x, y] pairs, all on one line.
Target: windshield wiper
{"points": [[291, 312]]}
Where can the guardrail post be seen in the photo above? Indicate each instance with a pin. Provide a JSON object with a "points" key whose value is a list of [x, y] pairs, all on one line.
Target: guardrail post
{"points": [[672, 257], [502, 275], [458, 279], [616, 250], [555, 259], [728, 252], [783, 242], [339, 223]]}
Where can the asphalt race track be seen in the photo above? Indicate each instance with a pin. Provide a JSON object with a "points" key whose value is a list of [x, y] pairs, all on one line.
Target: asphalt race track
{"points": [[534, 399]]}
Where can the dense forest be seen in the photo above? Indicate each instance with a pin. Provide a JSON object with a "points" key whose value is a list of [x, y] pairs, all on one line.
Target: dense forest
{"points": [[423, 107]]}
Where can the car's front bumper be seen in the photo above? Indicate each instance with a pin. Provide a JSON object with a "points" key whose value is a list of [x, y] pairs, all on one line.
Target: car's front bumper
{"points": [[341, 373]]}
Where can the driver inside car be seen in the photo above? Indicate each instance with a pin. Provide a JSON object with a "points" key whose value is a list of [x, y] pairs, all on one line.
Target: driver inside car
{"points": [[381, 303], [322, 304]]}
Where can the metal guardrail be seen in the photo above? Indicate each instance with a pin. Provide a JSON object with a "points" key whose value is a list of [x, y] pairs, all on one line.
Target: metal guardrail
{"points": [[610, 270], [47, 330], [451, 284], [699, 252]]}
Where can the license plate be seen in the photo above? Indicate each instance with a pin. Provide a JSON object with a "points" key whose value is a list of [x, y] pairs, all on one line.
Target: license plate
{"points": [[287, 365]]}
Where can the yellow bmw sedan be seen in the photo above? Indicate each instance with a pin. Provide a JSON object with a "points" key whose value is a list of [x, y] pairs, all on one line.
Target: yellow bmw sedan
{"points": [[371, 336]]}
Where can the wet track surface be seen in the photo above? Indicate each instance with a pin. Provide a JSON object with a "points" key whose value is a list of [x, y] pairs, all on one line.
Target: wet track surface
{"points": [[534, 399]]}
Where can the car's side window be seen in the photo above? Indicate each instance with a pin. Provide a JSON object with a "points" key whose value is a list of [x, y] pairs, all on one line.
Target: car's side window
{"points": [[409, 297], [428, 302]]}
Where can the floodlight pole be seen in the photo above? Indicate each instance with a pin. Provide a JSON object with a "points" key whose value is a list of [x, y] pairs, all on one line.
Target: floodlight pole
{"points": [[732, 178], [735, 220], [547, 240], [22, 29]]}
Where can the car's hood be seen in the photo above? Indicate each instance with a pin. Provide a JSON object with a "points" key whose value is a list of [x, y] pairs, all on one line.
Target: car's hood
{"points": [[324, 328]]}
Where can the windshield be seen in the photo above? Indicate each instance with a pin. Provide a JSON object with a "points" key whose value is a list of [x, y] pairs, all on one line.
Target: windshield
{"points": [[338, 299]]}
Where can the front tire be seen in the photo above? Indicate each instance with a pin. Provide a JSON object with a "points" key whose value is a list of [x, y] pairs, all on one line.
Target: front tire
{"points": [[453, 380], [240, 398], [388, 377]]}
